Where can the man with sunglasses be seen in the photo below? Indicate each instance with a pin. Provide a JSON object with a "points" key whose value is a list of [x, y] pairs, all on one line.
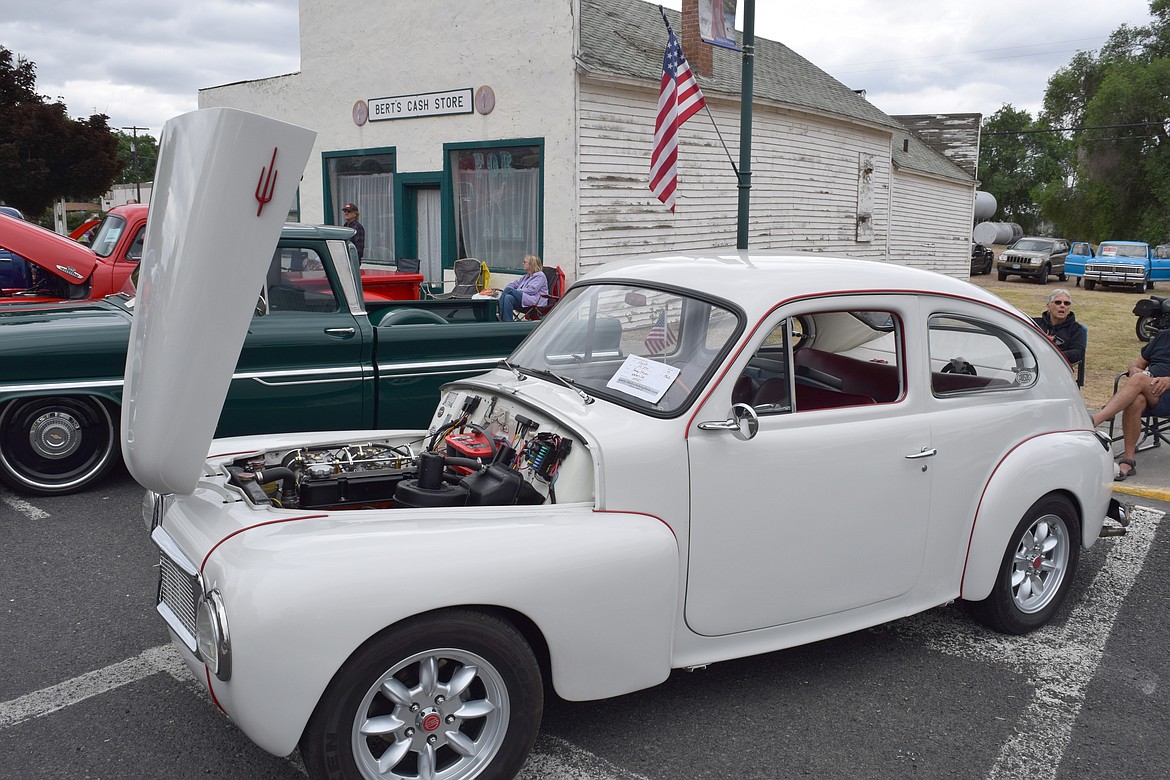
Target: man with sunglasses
{"points": [[1061, 327]]}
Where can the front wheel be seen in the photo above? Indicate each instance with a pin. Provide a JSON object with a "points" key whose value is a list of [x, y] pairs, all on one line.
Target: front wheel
{"points": [[453, 695], [1037, 569], [53, 446], [1090, 284], [1002, 276], [1146, 328], [1043, 277]]}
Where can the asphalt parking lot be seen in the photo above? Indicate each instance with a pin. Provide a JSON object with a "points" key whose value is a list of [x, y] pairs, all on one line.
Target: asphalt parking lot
{"points": [[90, 689]]}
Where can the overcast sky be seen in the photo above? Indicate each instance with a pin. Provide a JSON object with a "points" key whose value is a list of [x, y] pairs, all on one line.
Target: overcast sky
{"points": [[143, 62]]}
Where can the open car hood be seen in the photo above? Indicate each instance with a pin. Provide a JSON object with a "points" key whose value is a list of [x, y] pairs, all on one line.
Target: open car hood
{"points": [[222, 189], [45, 249]]}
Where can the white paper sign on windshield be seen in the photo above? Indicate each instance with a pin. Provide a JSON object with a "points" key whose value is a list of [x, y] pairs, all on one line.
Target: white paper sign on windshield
{"points": [[642, 378]]}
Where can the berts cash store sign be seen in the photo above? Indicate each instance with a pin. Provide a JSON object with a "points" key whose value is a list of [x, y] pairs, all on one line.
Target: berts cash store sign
{"points": [[454, 101]]}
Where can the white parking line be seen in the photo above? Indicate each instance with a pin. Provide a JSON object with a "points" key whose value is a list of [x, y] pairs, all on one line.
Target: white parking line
{"points": [[1059, 662], [48, 700], [22, 506]]}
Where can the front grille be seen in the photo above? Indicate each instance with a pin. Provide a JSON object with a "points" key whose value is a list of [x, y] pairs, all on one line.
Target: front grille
{"points": [[1135, 271], [179, 591], [180, 588]]}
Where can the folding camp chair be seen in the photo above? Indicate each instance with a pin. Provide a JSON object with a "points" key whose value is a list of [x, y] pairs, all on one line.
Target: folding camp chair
{"points": [[1155, 430], [470, 277], [556, 291]]}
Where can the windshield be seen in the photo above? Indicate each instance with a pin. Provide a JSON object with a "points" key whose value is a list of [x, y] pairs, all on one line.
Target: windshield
{"points": [[1032, 245], [648, 349], [1123, 250], [106, 238]]}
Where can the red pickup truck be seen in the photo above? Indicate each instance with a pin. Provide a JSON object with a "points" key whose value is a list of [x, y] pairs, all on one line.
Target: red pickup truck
{"points": [[63, 269]]}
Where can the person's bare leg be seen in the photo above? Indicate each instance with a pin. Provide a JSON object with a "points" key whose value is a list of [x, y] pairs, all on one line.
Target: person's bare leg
{"points": [[1122, 399]]}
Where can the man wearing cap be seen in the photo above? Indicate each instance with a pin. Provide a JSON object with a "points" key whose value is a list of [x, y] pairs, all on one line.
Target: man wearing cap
{"points": [[350, 213]]}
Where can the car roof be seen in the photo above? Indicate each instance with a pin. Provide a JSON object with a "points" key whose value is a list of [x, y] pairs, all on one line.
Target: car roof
{"points": [[758, 280], [302, 230]]}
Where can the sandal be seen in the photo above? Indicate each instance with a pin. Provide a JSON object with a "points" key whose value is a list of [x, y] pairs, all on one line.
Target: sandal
{"points": [[1122, 475]]}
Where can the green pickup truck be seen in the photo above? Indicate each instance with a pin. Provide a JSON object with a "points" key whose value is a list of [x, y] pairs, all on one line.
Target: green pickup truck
{"points": [[317, 357]]}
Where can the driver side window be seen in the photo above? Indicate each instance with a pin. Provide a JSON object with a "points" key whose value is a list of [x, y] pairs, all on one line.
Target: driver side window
{"points": [[838, 359], [968, 355]]}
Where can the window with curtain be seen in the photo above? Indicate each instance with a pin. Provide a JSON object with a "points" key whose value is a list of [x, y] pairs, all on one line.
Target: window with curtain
{"points": [[497, 203], [367, 181]]}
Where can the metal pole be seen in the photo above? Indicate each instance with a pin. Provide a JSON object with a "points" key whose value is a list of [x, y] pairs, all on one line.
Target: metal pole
{"points": [[745, 121], [134, 158]]}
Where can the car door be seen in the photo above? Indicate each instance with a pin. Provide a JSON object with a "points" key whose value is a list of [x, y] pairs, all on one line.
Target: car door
{"points": [[305, 362], [825, 509]]}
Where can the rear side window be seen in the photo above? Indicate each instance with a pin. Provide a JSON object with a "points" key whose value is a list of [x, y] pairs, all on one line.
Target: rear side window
{"points": [[297, 281], [968, 355]]}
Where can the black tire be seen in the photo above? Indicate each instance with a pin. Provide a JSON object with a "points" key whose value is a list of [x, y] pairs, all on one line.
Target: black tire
{"points": [[422, 724], [1090, 284], [1146, 328], [1043, 277], [1062, 278], [1043, 554], [1002, 276], [54, 446]]}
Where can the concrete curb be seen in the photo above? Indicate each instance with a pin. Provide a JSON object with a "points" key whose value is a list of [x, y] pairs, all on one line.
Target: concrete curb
{"points": [[1157, 494]]}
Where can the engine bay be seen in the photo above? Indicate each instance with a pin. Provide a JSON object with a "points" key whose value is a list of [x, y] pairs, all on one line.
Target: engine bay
{"points": [[479, 450]]}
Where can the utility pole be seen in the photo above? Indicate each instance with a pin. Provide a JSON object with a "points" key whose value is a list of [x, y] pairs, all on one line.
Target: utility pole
{"points": [[134, 158], [745, 121]]}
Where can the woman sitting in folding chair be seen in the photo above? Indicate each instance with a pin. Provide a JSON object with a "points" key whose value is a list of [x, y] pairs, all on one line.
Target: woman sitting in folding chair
{"points": [[529, 290]]}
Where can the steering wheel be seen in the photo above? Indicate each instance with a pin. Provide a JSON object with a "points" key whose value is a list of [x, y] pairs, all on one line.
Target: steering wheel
{"points": [[958, 365]]}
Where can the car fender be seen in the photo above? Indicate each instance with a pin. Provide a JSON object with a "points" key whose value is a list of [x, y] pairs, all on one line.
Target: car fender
{"points": [[1050, 463], [601, 587]]}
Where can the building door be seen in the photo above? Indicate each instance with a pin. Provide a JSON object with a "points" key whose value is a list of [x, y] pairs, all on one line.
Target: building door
{"points": [[422, 231]]}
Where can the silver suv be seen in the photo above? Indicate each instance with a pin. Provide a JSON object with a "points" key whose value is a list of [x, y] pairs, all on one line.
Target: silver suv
{"points": [[1034, 257]]}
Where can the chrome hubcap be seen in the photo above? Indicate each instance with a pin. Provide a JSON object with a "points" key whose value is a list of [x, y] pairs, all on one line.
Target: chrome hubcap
{"points": [[438, 715], [1040, 563], [55, 435]]}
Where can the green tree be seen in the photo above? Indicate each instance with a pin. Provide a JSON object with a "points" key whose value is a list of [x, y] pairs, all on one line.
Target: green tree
{"points": [[44, 154], [138, 155], [1118, 101], [1017, 157]]}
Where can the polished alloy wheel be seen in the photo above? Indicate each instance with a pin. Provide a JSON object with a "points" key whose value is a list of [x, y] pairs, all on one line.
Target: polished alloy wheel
{"points": [[437, 715], [1040, 563]]}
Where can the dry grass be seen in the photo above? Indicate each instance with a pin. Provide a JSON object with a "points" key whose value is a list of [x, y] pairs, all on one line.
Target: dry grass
{"points": [[1106, 312]]}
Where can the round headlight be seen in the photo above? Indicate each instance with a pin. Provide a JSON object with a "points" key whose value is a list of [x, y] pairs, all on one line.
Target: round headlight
{"points": [[211, 634]]}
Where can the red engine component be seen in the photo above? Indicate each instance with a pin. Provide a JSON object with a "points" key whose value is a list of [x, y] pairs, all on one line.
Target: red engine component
{"points": [[469, 445]]}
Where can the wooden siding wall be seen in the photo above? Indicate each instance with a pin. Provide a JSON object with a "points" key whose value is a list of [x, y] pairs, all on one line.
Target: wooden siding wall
{"points": [[804, 193], [931, 221]]}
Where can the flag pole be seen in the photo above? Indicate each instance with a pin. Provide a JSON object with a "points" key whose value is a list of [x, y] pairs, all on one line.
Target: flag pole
{"points": [[744, 173]]}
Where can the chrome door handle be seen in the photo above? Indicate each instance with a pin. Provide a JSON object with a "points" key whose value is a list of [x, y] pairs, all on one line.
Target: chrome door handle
{"points": [[927, 452], [341, 331]]}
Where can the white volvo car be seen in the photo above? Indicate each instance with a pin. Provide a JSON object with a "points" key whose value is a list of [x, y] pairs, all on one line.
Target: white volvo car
{"points": [[696, 457]]}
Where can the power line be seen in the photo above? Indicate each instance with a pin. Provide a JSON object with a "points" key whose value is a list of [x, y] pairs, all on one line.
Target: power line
{"points": [[1071, 129]]}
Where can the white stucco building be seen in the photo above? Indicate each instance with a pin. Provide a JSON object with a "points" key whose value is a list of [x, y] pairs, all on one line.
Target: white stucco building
{"points": [[504, 127]]}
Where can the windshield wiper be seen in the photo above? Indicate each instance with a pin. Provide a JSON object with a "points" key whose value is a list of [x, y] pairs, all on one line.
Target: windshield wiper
{"points": [[588, 399], [519, 376]]}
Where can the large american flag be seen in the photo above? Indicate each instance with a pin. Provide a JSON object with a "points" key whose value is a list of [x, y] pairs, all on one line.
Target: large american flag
{"points": [[679, 98], [659, 339]]}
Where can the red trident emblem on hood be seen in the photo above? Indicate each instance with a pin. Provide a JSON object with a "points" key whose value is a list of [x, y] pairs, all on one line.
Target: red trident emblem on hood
{"points": [[267, 183]]}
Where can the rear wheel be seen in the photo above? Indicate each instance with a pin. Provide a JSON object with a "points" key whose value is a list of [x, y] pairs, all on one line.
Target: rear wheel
{"points": [[453, 695], [1037, 569], [1146, 328], [52, 446]]}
